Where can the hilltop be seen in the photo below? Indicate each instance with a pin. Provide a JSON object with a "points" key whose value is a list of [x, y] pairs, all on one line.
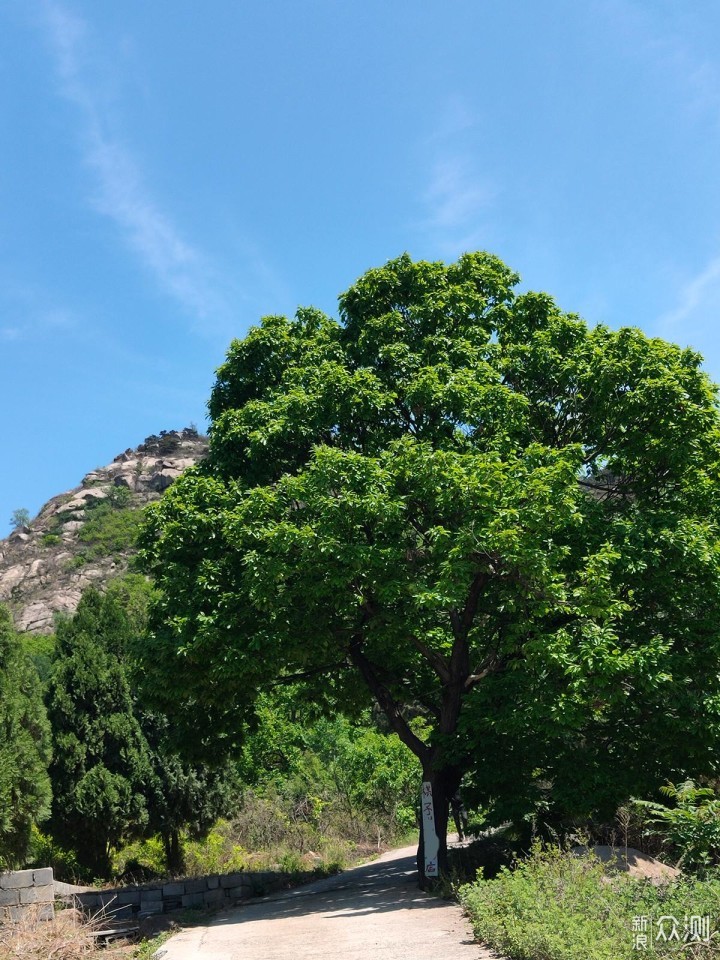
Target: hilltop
{"points": [[86, 535]]}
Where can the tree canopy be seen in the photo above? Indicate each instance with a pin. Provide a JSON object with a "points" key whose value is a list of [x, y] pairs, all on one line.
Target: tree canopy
{"points": [[467, 505]]}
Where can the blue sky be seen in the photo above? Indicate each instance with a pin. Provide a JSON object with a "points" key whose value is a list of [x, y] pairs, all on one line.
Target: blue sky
{"points": [[171, 171]]}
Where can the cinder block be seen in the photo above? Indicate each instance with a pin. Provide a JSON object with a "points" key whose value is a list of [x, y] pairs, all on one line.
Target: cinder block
{"points": [[173, 889], [234, 879], [9, 898], [43, 876], [152, 893], [88, 901], [119, 911], [193, 900], [129, 896], [44, 894], [241, 893], [213, 882], [196, 886], [16, 880], [214, 897], [108, 899]]}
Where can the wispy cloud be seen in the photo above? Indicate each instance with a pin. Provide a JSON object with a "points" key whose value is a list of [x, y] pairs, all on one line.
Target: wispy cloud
{"points": [[651, 35], [456, 197], [697, 300], [118, 191]]}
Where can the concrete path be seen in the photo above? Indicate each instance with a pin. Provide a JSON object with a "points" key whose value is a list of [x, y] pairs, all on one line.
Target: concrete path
{"points": [[373, 912]]}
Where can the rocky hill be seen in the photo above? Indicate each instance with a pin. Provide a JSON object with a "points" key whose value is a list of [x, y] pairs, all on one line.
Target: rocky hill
{"points": [[86, 536]]}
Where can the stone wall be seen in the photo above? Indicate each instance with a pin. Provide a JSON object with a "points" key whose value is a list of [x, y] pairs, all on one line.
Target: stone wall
{"points": [[217, 890], [24, 890]]}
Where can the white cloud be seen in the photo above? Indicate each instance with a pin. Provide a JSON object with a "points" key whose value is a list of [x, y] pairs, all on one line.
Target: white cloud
{"points": [[118, 191], [698, 300], [457, 197]]}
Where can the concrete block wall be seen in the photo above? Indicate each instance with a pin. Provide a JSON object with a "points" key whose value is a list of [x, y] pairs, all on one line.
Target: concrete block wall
{"points": [[217, 890], [25, 891]]}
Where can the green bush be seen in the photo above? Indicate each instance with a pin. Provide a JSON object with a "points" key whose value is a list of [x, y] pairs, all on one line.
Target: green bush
{"points": [[216, 853], [558, 906], [691, 829], [46, 852], [148, 855], [110, 530]]}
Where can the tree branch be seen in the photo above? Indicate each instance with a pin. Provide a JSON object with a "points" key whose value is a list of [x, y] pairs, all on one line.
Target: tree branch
{"points": [[386, 700], [436, 660], [471, 604]]}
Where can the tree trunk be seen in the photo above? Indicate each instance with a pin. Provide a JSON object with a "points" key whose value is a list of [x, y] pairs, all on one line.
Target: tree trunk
{"points": [[442, 783], [173, 853]]}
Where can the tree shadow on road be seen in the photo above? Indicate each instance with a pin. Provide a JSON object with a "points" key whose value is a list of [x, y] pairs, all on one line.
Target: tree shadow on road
{"points": [[376, 887]]}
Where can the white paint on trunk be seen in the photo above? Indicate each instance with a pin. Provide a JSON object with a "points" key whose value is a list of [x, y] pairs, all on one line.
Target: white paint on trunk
{"points": [[432, 843]]}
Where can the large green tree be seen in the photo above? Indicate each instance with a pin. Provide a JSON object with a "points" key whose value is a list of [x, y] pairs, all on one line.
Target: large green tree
{"points": [[24, 747], [464, 504]]}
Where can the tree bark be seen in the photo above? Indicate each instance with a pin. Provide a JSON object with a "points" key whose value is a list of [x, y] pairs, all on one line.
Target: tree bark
{"points": [[444, 782], [173, 853]]}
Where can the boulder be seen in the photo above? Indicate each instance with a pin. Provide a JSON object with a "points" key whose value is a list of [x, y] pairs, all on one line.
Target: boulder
{"points": [[165, 478]]}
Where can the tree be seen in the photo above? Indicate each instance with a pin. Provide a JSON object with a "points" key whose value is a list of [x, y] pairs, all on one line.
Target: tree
{"points": [[24, 748], [466, 505], [101, 767], [20, 518], [183, 796]]}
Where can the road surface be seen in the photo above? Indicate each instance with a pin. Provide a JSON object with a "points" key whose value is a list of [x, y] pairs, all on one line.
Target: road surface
{"points": [[371, 912]]}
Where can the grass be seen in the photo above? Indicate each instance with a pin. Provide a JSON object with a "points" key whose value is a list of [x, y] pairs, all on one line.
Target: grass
{"points": [[557, 906], [67, 937]]}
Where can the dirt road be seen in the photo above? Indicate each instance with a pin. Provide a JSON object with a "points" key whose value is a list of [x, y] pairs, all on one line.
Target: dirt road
{"points": [[373, 912]]}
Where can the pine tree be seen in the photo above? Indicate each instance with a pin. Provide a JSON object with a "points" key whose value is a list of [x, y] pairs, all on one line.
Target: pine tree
{"points": [[24, 748], [100, 769]]}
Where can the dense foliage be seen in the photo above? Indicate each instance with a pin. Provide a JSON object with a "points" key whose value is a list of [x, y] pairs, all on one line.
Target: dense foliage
{"points": [[461, 503], [24, 748], [101, 762], [558, 906]]}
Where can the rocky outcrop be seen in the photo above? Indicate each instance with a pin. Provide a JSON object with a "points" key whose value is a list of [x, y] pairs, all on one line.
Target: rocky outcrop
{"points": [[45, 566]]}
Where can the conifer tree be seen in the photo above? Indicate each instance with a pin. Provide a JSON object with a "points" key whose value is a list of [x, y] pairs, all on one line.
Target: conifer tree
{"points": [[101, 768], [24, 748]]}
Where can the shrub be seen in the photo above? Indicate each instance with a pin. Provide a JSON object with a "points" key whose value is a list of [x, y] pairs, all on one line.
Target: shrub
{"points": [[558, 906], [691, 829], [110, 530]]}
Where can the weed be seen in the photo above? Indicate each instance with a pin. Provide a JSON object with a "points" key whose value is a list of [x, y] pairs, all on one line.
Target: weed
{"points": [[66, 937]]}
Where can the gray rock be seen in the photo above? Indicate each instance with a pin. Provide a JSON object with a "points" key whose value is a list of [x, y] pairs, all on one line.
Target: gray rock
{"points": [[39, 579]]}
